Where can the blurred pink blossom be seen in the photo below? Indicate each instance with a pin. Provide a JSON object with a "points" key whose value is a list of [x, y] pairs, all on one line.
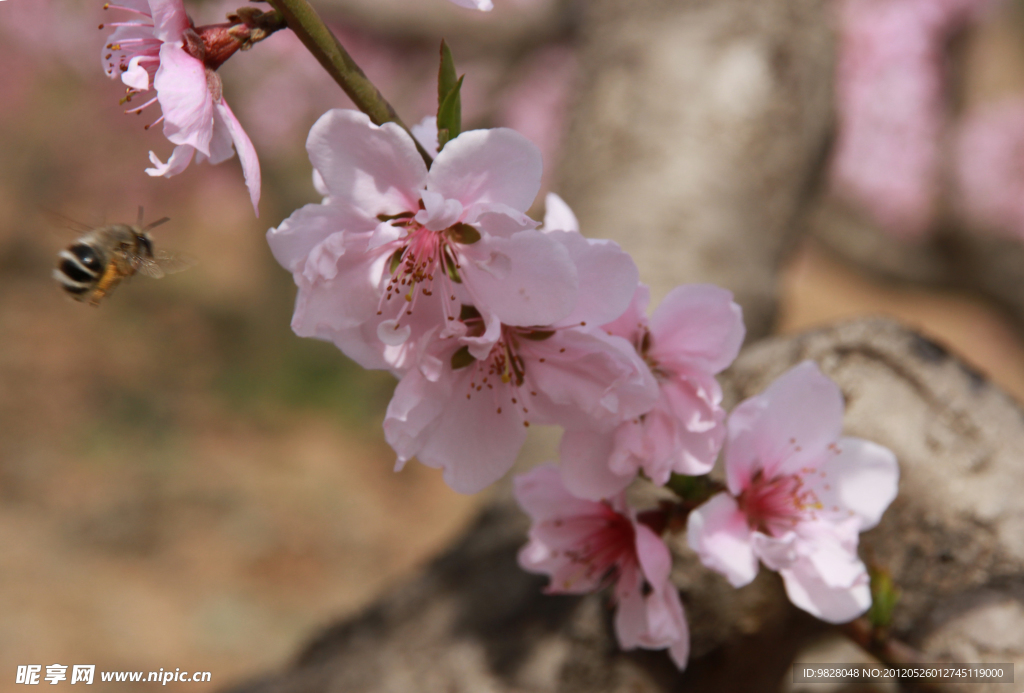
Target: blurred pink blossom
{"points": [[989, 158], [891, 101], [586, 545], [798, 497], [537, 104]]}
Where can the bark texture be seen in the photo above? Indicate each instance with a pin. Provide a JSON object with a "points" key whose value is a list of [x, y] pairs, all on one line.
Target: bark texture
{"points": [[953, 540], [699, 136]]}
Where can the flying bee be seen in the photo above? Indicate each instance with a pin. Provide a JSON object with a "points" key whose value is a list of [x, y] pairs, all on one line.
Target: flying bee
{"points": [[92, 266]]}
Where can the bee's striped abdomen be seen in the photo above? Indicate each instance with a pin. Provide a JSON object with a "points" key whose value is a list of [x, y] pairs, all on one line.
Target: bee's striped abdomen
{"points": [[79, 269]]}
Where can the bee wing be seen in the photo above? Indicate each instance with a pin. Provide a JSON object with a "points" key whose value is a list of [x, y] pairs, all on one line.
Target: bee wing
{"points": [[172, 263], [146, 266]]}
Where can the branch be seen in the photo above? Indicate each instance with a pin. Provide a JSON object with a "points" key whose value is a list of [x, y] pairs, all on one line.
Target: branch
{"points": [[324, 45]]}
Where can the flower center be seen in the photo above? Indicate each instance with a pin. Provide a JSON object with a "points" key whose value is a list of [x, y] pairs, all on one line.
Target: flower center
{"points": [[420, 256], [605, 551], [775, 506]]}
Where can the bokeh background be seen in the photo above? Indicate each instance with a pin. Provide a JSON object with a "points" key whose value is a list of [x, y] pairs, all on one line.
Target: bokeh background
{"points": [[185, 483]]}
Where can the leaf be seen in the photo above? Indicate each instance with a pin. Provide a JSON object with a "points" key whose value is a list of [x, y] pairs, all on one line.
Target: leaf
{"points": [[463, 233], [446, 75], [449, 115], [462, 358]]}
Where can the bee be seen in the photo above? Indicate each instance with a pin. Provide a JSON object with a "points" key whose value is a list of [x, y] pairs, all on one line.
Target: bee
{"points": [[92, 266]]}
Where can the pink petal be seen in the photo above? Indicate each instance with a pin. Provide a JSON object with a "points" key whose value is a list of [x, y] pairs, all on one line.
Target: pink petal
{"points": [[411, 415], [654, 556], [631, 612], [785, 428], [136, 76], [589, 380], [558, 216], [179, 160], [584, 459], [860, 477], [488, 166], [526, 280], [438, 213], [292, 241], [698, 325], [374, 169], [543, 495], [184, 98], [169, 19], [425, 133], [473, 444], [246, 153], [834, 605], [777, 553], [718, 532], [631, 324], [127, 33], [608, 278]]}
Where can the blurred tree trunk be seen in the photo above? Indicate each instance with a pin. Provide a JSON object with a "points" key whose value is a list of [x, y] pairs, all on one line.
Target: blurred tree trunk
{"points": [[699, 137]]}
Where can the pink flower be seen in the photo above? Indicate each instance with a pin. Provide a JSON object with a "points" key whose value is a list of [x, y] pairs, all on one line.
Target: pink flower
{"points": [[469, 416], [695, 333], [990, 167], [164, 50], [798, 496], [891, 99], [585, 546], [392, 253]]}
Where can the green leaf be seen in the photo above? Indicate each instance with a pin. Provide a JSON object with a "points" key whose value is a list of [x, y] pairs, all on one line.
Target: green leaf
{"points": [[446, 75], [538, 335], [463, 233], [449, 115], [462, 358]]}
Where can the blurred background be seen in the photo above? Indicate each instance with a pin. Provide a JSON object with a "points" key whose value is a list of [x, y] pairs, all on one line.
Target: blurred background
{"points": [[185, 483]]}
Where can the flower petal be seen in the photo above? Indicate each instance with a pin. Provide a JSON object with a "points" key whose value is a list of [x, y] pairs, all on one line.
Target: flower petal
{"points": [[440, 426], [487, 166], [784, 429], [608, 278], [806, 590], [526, 280], [184, 98], [558, 216], [697, 325], [718, 532], [584, 456], [179, 160], [169, 19], [246, 153], [374, 169], [543, 495], [632, 323], [292, 241], [860, 477]]}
